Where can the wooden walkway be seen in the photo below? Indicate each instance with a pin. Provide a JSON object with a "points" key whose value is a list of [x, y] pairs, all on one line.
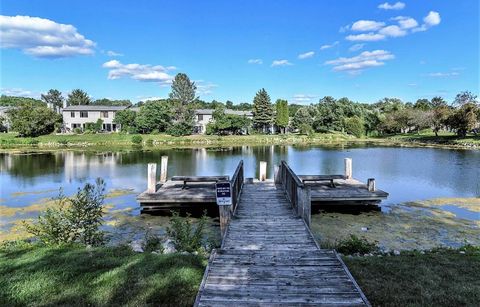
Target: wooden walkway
{"points": [[270, 258]]}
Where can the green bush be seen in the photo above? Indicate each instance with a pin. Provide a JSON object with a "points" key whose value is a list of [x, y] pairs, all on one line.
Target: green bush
{"points": [[137, 139], [73, 220], [152, 243], [77, 130], [186, 237], [305, 129], [355, 126], [354, 244], [62, 142], [180, 129]]}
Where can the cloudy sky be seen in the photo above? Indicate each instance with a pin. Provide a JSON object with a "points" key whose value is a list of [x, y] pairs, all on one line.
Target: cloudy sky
{"points": [[365, 50]]}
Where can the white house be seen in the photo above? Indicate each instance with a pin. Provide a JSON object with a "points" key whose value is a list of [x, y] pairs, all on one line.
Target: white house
{"points": [[78, 116], [205, 116]]}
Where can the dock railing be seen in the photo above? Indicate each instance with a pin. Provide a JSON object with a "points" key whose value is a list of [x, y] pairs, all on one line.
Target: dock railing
{"points": [[297, 192], [237, 185]]}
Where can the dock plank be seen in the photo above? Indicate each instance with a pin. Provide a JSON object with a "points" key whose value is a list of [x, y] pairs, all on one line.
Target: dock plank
{"points": [[269, 258]]}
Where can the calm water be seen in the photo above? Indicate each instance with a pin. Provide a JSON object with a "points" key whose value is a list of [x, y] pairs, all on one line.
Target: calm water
{"points": [[408, 174]]}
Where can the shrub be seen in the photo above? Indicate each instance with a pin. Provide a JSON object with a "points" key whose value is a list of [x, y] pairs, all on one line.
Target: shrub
{"points": [[137, 139], [355, 126], [305, 129], [355, 244], [152, 243], [77, 130], [62, 142], [180, 129], [73, 220], [186, 237]]}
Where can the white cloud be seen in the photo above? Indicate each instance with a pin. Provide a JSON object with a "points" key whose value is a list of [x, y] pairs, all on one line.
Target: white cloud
{"points": [[281, 63], [204, 88], [149, 98], [19, 92], [356, 47], [303, 98], [406, 22], [412, 84], [145, 73], [366, 25], [392, 31], [432, 19], [255, 61], [443, 74], [329, 46], [366, 59], [365, 37], [43, 38], [113, 53], [306, 55], [388, 6]]}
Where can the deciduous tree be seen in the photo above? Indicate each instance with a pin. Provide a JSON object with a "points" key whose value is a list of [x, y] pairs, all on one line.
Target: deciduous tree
{"points": [[281, 114]]}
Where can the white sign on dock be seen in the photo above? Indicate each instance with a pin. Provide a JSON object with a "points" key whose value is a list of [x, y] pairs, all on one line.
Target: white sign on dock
{"points": [[224, 193]]}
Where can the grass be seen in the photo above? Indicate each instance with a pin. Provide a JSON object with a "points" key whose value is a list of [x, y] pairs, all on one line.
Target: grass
{"points": [[103, 276], [12, 141], [436, 278]]}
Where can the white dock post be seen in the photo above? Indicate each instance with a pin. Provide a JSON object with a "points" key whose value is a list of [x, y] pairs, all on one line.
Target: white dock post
{"points": [[348, 168], [276, 174], [163, 169], [263, 171], [371, 184], [152, 177]]}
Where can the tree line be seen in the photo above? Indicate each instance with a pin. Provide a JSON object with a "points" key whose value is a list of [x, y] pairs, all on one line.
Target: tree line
{"points": [[175, 114]]}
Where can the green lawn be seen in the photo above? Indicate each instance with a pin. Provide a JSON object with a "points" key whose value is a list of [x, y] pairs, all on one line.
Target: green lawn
{"points": [[74, 276], [442, 278], [445, 138]]}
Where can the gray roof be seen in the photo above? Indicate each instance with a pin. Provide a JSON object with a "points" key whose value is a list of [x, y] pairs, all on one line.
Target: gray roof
{"points": [[227, 111], [94, 108]]}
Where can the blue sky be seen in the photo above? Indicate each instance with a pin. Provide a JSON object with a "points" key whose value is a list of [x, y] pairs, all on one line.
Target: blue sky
{"points": [[297, 50]]}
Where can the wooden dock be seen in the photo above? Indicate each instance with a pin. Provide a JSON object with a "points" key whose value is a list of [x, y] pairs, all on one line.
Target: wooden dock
{"points": [[269, 257]]}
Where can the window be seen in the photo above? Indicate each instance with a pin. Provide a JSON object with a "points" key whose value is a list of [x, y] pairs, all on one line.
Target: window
{"points": [[104, 114], [83, 114], [72, 114], [200, 117]]}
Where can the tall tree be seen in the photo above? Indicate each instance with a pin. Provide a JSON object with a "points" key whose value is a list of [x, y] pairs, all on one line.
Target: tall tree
{"points": [[281, 115], [54, 97], [33, 120], [262, 110], [78, 97], [183, 89], [465, 97], [440, 113], [183, 96], [154, 116]]}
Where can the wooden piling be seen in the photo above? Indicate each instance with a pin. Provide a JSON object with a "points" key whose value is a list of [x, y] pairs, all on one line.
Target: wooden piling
{"points": [[371, 184], [225, 213], [163, 169], [276, 174], [307, 206], [348, 168], [263, 171], [152, 177]]}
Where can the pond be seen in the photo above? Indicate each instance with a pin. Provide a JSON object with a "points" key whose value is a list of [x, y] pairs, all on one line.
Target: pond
{"points": [[434, 193]]}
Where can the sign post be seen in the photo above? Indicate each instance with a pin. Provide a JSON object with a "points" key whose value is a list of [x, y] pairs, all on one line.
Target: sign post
{"points": [[223, 191]]}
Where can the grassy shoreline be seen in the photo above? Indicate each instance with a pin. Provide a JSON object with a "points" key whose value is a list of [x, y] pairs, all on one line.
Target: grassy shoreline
{"points": [[9, 141]]}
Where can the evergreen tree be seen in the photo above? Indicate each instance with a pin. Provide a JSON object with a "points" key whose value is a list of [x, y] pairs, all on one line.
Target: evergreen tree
{"points": [[281, 116], [262, 110], [78, 97], [183, 96], [54, 97]]}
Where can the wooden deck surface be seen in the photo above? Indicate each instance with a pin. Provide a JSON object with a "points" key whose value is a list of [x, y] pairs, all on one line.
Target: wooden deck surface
{"points": [[345, 190], [270, 258]]}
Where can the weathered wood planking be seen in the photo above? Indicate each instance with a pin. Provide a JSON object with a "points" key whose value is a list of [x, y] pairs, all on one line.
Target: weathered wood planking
{"points": [[345, 190], [270, 258]]}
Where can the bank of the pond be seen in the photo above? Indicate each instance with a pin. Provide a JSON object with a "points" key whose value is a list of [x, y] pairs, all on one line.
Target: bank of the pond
{"points": [[435, 278], [103, 276], [10, 141]]}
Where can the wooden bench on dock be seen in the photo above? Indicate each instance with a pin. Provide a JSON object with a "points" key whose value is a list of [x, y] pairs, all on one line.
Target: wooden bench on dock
{"points": [[186, 179], [330, 178]]}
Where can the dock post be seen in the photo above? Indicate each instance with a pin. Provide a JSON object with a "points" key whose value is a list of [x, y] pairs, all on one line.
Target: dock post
{"points": [[348, 168], [371, 184], [277, 175], [152, 177], [263, 171], [225, 214], [163, 169]]}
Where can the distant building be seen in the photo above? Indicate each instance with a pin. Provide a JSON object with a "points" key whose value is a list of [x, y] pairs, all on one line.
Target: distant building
{"points": [[205, 116], [78, 116], [5, 125]]}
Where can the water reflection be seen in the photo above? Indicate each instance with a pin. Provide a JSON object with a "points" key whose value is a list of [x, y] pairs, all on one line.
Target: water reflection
{"points": [[406, 173]]}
